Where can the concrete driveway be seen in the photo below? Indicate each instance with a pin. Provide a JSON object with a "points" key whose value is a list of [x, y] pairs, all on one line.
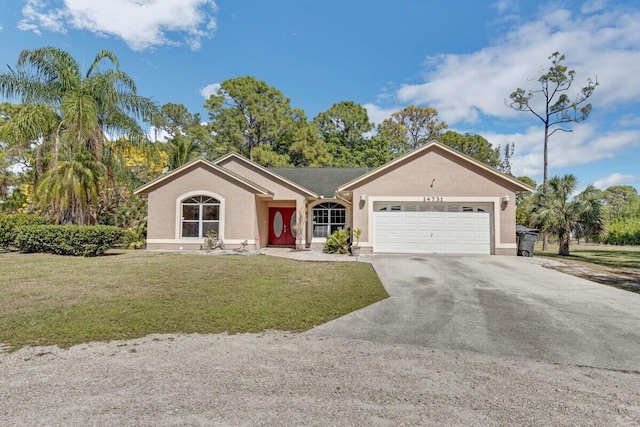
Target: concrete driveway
{"points": [[504, 306]]}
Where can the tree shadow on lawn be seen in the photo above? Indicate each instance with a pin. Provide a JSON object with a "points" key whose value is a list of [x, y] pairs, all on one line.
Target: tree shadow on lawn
{"points": [[617, 268], [607, 258]]}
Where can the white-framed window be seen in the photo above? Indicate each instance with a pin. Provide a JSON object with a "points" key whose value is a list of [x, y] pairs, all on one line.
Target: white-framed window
{"points": [[200, 214], [429, 207], [327, 218]]}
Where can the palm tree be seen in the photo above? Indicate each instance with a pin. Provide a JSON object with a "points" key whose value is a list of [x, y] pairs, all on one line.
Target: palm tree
{"points": [[562, 217], [69, 191], [181, 150], [67, 111]]}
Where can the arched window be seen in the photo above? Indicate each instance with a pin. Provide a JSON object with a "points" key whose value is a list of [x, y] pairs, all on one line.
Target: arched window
{"points": [[200, 214], [327, 218]]}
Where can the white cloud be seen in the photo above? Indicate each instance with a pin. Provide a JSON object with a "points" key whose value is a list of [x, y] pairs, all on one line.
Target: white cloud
{"points": [[158, 135], [592, 6], [36, 17], [586, 144], [209, 90], [600, 41], [378, 114], [614, 179], [141, 24], [462, 87], [628, 120], [503, 6]]}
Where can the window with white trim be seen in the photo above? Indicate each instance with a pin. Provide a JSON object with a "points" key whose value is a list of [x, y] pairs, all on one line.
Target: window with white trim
{"points": [[200, 214], [327, 218]]}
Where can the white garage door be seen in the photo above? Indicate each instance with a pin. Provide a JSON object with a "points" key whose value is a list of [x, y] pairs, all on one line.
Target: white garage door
{"points": [[463, 230]]}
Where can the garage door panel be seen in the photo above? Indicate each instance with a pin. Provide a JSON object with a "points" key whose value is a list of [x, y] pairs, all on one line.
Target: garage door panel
{"points": [[432, 232], [467, 221], [395, 220], [435, 218], [454, 234], [423, 221], [439, 247]]}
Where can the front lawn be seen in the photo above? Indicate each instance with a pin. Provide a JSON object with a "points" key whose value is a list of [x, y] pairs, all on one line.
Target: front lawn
{"points": [[48, 299]]}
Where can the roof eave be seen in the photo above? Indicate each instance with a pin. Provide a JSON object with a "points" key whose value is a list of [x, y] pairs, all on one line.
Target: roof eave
{"points": [[259, 189], [262, 168], [524, 188]]}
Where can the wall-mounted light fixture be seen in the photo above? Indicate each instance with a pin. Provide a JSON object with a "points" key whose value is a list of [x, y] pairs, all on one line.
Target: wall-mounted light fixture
{"points": [[505, 198], [363, 198]]}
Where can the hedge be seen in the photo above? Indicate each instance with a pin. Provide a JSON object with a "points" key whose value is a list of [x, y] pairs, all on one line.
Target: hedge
{"points": [[623, 232], [10, 222], [76, 240]]}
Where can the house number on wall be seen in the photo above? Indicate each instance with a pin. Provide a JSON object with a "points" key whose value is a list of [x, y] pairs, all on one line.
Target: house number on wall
{"points": [[433, 199]]}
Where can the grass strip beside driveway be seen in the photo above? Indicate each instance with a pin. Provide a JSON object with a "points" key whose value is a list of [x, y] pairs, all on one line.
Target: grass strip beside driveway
{"points": [[617, 266], [54, 300]]}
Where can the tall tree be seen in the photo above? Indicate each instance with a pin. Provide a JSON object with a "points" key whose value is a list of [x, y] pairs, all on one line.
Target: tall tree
{"points": [[556, 213], [175, 119], [505, 164], [186, 135], [69, 191], [246, 113], [143, 163], [474, 146], [373, 152], [621, 201], [556, 107], [308, 149], [412, 127], [180, 150], [6, 177], [524, 203], [343, 127], [68, 111]]}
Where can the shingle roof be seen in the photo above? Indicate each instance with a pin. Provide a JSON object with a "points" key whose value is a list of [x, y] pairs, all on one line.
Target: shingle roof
{"points": [[323, 181]]}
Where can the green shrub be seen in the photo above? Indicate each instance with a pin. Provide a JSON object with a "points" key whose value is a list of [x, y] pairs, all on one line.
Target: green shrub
{"points": [[135, 237], [338, 242], [623, 232], [73, 240], [10, 222]]}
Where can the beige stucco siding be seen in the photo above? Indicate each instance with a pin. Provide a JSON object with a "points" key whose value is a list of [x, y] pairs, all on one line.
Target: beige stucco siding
{"points": [[431, 174], [238, 219], [284, 194], [437, 173]]}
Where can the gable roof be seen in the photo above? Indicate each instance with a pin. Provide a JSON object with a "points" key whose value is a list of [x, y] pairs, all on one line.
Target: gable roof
{"points": [[323, 181], [275, 175], [234, 176], [381, 169]]}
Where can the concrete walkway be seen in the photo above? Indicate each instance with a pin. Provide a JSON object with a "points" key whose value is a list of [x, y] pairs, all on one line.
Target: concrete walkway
{"points": [[314, 254]]}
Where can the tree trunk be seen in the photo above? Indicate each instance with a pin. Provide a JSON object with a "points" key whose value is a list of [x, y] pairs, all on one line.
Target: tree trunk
{"points": [[545, 238], [546, 161], [563, 246]]}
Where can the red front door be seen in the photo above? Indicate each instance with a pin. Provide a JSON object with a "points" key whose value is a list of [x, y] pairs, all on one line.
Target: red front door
{"points": [[281, 223]]}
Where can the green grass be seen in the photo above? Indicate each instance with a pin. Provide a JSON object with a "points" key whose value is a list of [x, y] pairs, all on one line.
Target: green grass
{"points": [[626, 257], [617, 266], [49, 299]]}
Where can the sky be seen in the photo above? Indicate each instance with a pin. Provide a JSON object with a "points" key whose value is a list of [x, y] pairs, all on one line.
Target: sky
{"points": [[462, 57]]}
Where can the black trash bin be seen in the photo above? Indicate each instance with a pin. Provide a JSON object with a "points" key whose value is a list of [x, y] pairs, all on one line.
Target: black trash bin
{"points": [[526, 238]]}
